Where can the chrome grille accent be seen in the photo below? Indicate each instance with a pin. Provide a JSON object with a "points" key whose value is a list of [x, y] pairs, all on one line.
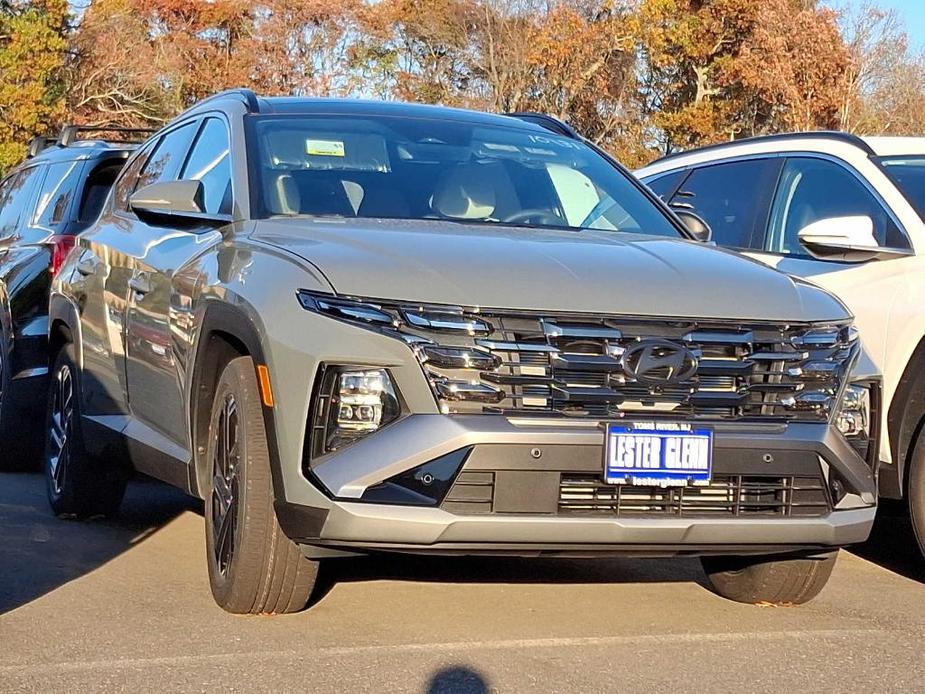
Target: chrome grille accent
{"points": [[571, 368], [530, 363]]}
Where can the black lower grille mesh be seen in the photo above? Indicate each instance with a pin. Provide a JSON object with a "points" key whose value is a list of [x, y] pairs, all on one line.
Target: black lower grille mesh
{"points": [[733, 495]]}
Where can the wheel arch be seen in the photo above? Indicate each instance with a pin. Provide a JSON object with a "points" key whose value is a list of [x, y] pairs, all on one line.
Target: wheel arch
{"points": [[905, 421], [226, 332], [63, 327]]}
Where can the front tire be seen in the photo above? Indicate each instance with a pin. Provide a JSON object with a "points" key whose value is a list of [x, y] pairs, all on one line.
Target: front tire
{"points": [[78, 485], [916, 491], [770, 580], [253, 567]]}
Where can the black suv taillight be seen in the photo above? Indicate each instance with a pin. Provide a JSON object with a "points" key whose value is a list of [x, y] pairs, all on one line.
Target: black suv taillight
{"points": [[61, 245]]}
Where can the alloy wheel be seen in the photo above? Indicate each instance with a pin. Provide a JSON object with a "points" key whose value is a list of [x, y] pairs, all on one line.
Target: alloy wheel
{"points": [[225, 497], [62, 416]]}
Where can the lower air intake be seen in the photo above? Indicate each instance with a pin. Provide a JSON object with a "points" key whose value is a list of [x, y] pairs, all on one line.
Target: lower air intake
{"points": [[733, 496]]}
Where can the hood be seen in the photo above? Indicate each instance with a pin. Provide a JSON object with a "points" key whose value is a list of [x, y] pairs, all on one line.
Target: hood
{"points": [[492, 266]]}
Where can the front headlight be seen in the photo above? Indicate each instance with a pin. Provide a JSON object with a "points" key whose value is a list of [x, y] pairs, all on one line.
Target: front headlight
{"points": [[855, 417], [351, 403]]}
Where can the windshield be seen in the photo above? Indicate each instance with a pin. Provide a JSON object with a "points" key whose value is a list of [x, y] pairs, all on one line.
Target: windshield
{"points": [[420, 168], [908, 173]]}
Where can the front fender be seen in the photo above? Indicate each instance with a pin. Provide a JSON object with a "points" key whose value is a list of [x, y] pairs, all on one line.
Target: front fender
{"points": [[239, 284]]}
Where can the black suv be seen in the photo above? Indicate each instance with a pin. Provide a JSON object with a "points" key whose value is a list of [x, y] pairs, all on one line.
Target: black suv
{"points": [[54, 194]]}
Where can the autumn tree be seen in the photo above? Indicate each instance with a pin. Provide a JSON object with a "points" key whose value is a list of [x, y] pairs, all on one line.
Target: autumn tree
{"points": [[32, 54], [117, 72], [636, 76], [788, 73], [200, 47], [574, 59], [141, 61], [309, 47], [884, 86], [427, 44], [719, 69]]}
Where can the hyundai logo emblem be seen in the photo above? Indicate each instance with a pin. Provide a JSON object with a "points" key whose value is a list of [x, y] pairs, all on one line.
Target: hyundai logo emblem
{"points": [[659, 362]]}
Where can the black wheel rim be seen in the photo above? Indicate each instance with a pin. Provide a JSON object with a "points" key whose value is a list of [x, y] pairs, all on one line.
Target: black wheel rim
{"points": [[61, 426], [225, 498]]}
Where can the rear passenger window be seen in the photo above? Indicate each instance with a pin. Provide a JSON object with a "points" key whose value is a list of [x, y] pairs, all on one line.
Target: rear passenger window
{"points": [[57, 195], [17, 199], [732, 198], [96, 189], [125, 185], [165, 162], [210, 163]]}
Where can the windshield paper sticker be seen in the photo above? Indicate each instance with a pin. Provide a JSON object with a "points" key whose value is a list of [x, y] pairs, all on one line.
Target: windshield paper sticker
{"points": [[324, 148]]}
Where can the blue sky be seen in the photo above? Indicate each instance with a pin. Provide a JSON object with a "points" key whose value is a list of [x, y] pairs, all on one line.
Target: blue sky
{"points": [[914, 13], [911, 11]]}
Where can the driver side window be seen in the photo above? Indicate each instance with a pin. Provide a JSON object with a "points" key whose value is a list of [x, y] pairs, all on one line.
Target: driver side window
{"points": [[209, 161], [811, 190]]}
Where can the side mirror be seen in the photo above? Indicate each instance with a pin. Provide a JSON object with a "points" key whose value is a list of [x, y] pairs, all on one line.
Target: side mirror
{"points": [[696, 225], [180, 201], [841, 238], [176, 198]]}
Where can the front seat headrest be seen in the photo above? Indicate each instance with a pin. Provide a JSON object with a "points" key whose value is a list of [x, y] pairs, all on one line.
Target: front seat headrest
{"points": [[284, 196], [466, 192]]}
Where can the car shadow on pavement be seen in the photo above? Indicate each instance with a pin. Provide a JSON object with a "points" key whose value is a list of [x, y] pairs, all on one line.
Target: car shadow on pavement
{"points": [[892, 543], [457, 679], [487, 569], [39, 553]]}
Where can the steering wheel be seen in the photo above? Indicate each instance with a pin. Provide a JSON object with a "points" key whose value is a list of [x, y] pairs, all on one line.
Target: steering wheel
{"points": [[535, 215]]}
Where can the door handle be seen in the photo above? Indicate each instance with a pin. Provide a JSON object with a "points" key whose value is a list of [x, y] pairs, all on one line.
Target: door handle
{"points": [[86, 267], [140, 283]]}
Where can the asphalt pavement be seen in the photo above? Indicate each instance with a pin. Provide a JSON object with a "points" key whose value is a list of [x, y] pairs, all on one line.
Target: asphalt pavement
{"points": [[124, 605]]}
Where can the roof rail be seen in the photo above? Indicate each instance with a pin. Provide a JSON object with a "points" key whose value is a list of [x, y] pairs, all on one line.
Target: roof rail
{"points": [[247, 95], [835, 135], [38, 144], [544, 120], [71, 133]]}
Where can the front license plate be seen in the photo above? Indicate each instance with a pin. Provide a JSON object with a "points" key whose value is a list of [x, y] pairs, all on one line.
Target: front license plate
{"points": [[661, 454]]}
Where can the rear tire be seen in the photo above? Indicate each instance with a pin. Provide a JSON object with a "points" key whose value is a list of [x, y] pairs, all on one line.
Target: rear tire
{"points": [[770, 580], [78, 485], [916, 491], [21, 439], [253, 567]]}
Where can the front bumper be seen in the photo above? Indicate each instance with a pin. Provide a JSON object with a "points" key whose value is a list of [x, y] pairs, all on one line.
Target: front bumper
{"points": [[522, 513], [403, 529]]}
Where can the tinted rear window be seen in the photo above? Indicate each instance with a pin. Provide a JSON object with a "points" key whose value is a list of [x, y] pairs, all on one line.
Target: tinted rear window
{"points": [[908, 173]]}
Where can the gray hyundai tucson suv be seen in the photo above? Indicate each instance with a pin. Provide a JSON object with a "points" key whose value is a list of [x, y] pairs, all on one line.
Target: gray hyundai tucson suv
{"points": [[355, 327]]}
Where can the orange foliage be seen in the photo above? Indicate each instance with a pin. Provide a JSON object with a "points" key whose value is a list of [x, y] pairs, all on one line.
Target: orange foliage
{"points": [[638, 76]]}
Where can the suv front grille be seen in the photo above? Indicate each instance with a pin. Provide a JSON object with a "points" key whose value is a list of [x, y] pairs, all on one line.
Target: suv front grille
{"points": [[576, 367], [520, 363]]}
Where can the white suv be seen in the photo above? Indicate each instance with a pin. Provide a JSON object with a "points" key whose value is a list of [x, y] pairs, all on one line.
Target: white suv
{"points": [[847, 213]]}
